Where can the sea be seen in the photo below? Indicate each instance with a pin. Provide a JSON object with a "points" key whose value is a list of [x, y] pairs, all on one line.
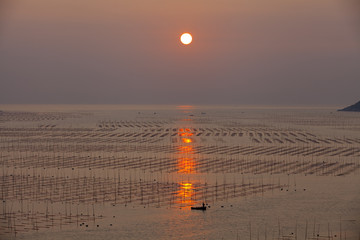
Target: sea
{"points": [[136, 172]]}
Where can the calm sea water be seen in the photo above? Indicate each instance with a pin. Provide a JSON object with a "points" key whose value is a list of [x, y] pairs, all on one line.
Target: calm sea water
{"points": [[133, 172]]}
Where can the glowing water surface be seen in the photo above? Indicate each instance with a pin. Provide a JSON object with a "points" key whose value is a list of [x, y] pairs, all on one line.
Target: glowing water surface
{"points": [[133, 172]]}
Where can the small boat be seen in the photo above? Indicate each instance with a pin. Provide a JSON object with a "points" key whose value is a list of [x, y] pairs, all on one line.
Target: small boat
{"points": [[199, 208]]}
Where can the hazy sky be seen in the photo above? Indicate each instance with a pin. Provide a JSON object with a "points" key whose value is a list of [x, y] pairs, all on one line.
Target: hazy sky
{"points": [[128, 51]]}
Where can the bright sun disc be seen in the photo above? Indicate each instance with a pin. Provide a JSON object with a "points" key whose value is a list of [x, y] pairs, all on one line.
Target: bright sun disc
{"points": [[186, 38]]}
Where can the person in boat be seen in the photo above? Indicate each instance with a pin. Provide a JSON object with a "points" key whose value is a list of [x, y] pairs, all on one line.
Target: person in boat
{"points": [[203, 205]]}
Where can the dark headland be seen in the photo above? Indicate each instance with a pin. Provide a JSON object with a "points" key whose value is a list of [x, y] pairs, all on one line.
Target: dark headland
{"points": [[353, 108]]}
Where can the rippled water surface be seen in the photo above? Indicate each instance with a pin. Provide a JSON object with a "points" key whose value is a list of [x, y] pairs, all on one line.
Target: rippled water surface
{"points": [[134, 172]]}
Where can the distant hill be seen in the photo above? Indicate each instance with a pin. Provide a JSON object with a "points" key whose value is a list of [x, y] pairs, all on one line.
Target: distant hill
{"points": [[352, 108]]}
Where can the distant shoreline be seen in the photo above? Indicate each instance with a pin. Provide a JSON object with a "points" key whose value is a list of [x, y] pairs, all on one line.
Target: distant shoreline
{"points": [[352, 108]]}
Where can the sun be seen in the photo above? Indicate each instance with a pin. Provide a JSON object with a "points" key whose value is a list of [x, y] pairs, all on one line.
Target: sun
{"points": [[186, 38]]}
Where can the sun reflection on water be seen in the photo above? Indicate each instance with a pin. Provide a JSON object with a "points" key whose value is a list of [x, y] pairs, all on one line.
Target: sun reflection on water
{"points": [[187, 140], [186, 149], [186, 165], [186, 194]]}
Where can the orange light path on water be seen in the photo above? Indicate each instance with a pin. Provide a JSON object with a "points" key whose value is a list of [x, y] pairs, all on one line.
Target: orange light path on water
{"points": [[186, 164], [186, 150], [186, 194], [186, 140], [185, 134]]}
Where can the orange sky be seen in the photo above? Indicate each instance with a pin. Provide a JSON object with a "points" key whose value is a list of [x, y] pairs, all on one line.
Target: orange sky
{"points": [[243, 52]]}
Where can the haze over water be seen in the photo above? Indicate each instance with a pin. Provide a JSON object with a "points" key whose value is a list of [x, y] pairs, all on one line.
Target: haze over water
{"points": [[133, 172]]}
